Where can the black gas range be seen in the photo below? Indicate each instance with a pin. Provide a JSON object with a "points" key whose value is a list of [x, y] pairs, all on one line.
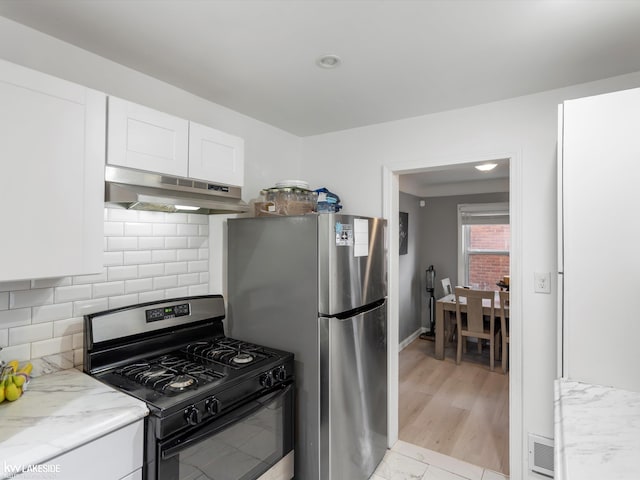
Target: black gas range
{"points": [[220, 408]]}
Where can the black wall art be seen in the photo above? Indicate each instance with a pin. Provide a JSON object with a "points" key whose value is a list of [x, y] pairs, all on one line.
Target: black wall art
{"points": [[404, 232]]}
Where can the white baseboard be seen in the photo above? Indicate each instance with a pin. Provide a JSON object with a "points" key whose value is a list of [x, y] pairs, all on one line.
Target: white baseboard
{"points": [[411, 338]]}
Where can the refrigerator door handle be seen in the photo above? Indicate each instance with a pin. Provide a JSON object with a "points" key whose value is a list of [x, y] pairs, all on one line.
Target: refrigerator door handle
{"points": [[357, 311]]}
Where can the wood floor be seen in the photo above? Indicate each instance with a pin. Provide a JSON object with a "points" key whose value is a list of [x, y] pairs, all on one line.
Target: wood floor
{"points": [[457, 410]]}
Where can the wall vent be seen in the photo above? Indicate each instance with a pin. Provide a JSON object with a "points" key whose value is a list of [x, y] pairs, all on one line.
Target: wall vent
{"points": [[541, 455]]}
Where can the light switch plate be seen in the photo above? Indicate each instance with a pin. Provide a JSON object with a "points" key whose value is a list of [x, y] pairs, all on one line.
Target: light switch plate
{"points": [[542, 282]]}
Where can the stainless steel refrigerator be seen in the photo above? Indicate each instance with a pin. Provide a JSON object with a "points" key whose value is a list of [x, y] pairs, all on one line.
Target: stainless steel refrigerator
{"points": [[316, 285]]}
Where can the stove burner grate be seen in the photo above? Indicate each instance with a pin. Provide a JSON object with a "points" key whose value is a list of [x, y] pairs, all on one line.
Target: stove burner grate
{"points": [[227, 351], [170, 374]]}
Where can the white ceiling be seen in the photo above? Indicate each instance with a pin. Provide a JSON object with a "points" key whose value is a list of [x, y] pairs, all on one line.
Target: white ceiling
{"points": [[400, 58]]}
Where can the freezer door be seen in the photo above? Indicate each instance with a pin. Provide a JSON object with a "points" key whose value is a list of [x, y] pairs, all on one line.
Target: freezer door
{"points": [[351, 262], [353, 401]]}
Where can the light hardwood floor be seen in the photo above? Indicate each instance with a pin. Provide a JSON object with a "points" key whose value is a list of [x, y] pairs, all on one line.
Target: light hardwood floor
{"points": [[457, 410]]}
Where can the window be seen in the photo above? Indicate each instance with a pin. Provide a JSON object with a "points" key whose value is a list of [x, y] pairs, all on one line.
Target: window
{"points": [[484, 244]]}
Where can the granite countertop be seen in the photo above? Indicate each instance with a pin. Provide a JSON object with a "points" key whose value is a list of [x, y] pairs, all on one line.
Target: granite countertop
{"points": [[597, 432], [61, 411]]}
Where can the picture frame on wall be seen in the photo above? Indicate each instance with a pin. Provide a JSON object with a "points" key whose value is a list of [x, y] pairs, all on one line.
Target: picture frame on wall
{"points": [[404, 233]]}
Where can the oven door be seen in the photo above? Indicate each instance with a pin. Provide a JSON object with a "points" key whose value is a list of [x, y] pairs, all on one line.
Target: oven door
{"points": [[241, 445]]}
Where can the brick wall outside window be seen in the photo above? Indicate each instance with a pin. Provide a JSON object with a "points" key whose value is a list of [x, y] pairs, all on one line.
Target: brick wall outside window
{"points": [[485, 270]]}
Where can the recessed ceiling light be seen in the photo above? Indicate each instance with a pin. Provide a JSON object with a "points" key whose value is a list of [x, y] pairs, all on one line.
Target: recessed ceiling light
{"points": [[328, 61], [485, 167]]}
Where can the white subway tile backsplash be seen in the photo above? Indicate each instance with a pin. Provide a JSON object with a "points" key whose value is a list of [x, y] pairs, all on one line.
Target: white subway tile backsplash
{"points": [[113, 258], [138, 229], [85, 307], [198, 266], [137, 258], [71, 293], [126, 272], [108, 289], [175, 268], [50, 313], [124, 301], [198, 290], [176, 292], [176, 242], [4, 300], [148, 256], [188, 230], [160, 283], [51, 346], [30, 298], [152, 270], [16, 352], [15, 318], [89, 279], [9, 286], [122, 243], [121, 215], [196, 242], [30, 333], [78, 340], [152, 296], [164, 256], [138, 285], [153, 217], [69, 326], [199, 219], [151, 243], [189, 279], [187, 254], [165, 229], [113, 229]]}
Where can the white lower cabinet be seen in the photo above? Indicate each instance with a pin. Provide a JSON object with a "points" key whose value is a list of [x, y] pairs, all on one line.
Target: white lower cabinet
{"points": [[52, 153], [116, 456]]}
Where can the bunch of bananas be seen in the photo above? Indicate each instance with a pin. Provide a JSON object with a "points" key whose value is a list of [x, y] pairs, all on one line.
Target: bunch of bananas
{"points": [[12, 380]]}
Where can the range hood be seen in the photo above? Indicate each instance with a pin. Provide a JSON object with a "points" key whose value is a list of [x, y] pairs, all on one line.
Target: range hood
{"points": [[139, 190]]}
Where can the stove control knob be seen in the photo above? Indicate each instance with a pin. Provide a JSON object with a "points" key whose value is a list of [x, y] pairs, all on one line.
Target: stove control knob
{"points": [[212, 405], [280, 374], [266, 380], [193, 416]]}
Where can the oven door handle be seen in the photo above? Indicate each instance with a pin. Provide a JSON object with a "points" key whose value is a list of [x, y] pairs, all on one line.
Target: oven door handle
{"points": [[177, 445]]}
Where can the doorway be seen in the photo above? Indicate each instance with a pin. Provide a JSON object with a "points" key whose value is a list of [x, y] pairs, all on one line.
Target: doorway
{"points": [[391, 207]]}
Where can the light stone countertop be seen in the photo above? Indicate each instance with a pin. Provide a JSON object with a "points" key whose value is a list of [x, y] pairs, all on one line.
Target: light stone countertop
{"points": [[597, 432], [59, 412]]}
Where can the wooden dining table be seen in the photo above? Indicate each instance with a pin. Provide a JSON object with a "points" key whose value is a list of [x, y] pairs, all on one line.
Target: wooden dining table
{"points": [[446, 306]]}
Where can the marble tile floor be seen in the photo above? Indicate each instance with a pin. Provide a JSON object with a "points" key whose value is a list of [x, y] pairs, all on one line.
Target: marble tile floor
{"points": [[411, 462]]}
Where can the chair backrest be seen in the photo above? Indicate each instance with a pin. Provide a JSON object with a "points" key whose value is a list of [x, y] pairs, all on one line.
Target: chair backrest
{"points": [[475, 315], [504, 303], [446, 286]]}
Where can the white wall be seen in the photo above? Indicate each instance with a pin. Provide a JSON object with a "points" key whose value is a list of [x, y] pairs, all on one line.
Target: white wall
{"points": [[351, 164]]}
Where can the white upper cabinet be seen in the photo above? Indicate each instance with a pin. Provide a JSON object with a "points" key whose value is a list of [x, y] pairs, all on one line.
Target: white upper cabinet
{"points": [[146, 139], [52, 151], [215, 156]]}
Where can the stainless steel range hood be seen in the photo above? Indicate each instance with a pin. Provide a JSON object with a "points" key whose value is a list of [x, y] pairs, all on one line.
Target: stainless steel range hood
{"points": [[139, 190]]}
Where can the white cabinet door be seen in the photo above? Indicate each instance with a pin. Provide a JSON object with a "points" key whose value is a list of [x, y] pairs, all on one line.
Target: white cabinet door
{"points": [[215, 156], [146, 139], [52, 149], [600, 178], [116, 456]]}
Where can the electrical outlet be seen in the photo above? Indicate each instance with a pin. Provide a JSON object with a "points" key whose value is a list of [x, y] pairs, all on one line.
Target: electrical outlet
{"points": [[542, 282]]}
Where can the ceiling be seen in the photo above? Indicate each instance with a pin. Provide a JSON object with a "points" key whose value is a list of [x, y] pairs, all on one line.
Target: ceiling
{"points": [[399, 58]]}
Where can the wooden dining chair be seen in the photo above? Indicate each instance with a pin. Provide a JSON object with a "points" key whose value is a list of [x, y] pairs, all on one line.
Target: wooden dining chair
{"points": [[504, 328], [474, 323]]}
